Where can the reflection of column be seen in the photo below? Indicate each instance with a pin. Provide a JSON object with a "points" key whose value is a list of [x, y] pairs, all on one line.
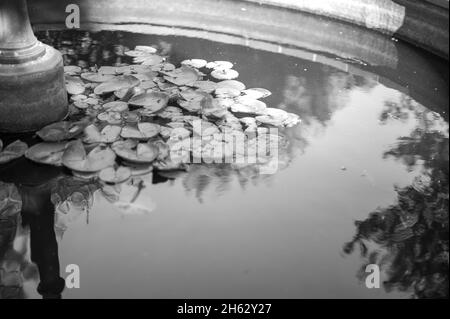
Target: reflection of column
{"points": [[32, 92], [38, 212]]}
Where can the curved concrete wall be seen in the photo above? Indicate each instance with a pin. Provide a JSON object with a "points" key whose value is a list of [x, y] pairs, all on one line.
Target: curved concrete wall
{"points": [[424, 23]]}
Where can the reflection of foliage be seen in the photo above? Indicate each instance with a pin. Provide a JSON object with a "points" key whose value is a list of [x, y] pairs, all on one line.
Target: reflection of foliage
{"points": [[72, 197], [411, 236], [316, 98], [83, 49], [90, 49], [15, 266]]}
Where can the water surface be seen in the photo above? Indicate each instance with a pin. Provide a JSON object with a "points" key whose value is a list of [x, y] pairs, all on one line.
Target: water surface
{"points": [[364, 152]]}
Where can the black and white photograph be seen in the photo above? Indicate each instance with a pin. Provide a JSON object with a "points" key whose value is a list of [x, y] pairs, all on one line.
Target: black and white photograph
{"points": [[224, 155]]}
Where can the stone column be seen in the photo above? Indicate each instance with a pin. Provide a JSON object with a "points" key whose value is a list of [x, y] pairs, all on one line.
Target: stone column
{"points": [[32, 89]]}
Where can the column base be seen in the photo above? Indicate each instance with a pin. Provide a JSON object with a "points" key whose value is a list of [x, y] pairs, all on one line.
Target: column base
{"points": [[32, 94]]}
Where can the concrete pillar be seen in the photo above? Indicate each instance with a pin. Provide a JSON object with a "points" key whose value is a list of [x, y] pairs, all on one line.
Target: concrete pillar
{"points": [[32, 89]]}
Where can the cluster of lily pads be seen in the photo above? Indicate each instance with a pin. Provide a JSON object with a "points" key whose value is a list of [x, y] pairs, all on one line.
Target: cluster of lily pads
{"points": [[124, 120]]}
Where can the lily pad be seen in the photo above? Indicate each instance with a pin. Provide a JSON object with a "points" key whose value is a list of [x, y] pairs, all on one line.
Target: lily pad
{"points": [[182, 76], [149, 60], [114, 175], [76, 158], [204, 128], [234, 84], [145, 48], [74, 85], [108, 70], [164, 149], [227, 92], [12, 151], [110, 117], [170, 112], [257, 93], [195, 63], [220, 65], [207, 86], [278, 117], [143, 131], [118, 83], [109, 134], [81, 105], [47, 153], [153, 101], [140, 53], [61, 131], [135, 152], [225, 74], [116, 106], [72, 69], [248, 106], [97, 77], [131, 117]]}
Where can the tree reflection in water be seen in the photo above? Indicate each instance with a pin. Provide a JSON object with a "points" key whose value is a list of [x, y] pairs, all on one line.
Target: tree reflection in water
{"points": [[409, 239]]}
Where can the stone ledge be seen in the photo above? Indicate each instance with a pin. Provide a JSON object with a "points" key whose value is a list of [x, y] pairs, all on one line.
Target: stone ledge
{"points": [[423, 23]]}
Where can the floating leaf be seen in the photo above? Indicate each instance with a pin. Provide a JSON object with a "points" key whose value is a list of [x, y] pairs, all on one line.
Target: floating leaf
{"points": [[227, 92], [220, 65], [115, 175], [179, 133], [250, 123], [225, 74], [61, 131], [91, 101], [47, 153], [145, 48], [81, 105], [207, 86], [231, 84], [152, 101], [76, 158], [149, 60], [131, 117], [74, 85], [137, 53], [170, 112], [195, 63], [118, 83], [108, 70], [72, 69], [116, 106], [139, 169], [257, 93], [278, 117], [204, 128], [110, 117], [97, 77], [182, 76], [164, 149], [248, 105], [78, 97], [135, 152], [146, 76], [109, 134], [143, 131], [12, 151]]}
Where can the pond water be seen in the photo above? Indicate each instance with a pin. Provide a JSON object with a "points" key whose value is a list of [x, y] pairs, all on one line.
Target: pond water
{"points": [[364, 179]]}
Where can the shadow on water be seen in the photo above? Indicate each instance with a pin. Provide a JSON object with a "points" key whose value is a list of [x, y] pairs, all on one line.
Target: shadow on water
{"points": [[408, 239]]}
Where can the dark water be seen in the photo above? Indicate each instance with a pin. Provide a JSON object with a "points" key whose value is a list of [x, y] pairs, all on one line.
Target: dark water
{"points": [[364, 180]]}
